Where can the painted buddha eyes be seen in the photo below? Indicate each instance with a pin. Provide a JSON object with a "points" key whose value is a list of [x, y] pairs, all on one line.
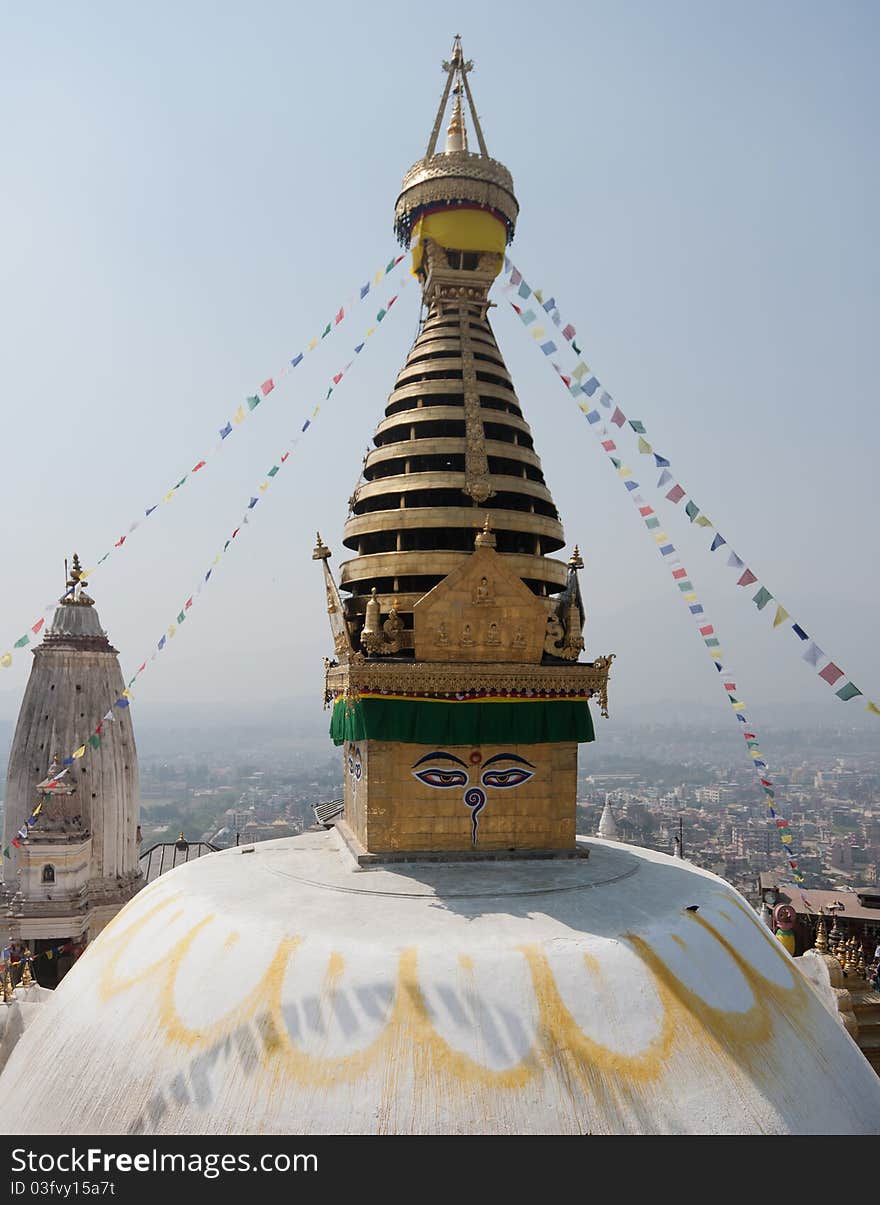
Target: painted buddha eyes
{"points": [[354, 763], [442, 778], [501, 775], [513, 777]]}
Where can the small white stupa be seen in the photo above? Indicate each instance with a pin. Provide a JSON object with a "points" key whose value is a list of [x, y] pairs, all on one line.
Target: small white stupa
{"points": [[607, 827]]}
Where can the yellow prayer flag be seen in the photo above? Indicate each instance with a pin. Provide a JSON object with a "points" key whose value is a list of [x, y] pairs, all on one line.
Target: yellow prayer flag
{"points": [[872, 707], [377, 279], [785, 839], [661, 537], [644, 446], [312, 345], [580, 371], [690, 597], [239, 415], [38, 808], [703, 521], [264, 487], [80, 752], [538, 332], [585, 406], [171, 630], [625, 472], [6, 660], [371, 331], [126, 694], [169, 495], [781, 616]]}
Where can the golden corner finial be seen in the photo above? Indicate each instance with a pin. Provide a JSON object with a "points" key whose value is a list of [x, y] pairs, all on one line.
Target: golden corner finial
{"points": [[320, 552], [8, 985], [576, 561], [27, 979], [821, 944], [486, 537]]}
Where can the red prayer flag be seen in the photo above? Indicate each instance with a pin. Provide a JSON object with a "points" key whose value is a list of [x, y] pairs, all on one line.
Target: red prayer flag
{"points": [[340, 315], [391, 302], [267, 386], [198, 466], [618, 417], [119, 542], [831, 673], [609, 445], [235, 533], [188, 604], [567, 380], [731, 686], [675, 494], [516, 307], [568, 332], [679, 573], [766, 782], [707, 630], [284, 457], [337, 378], [647, 510], [37, 626], [747, 578]]}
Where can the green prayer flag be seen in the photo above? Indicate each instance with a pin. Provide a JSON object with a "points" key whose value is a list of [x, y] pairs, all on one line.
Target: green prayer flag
{"points": [[272, 471], [381, 315], [180, 482], [615, 462], [848, 692], [391, 263], [22, 641], [326, 330], [762, 598], [6, 853], [94, 740], [637, 425], [653, 521], [181, 617], [253, 402], [577, 350], [692, 510], [685, 586]]}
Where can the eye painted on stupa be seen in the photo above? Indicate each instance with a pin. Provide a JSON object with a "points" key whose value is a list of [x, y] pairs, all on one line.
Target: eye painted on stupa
{"points": [[510, 770], [439, 769], [354, 762]]}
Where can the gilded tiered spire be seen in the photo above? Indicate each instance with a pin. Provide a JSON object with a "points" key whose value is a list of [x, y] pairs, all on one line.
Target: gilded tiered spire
{"points": [[454, 442]]}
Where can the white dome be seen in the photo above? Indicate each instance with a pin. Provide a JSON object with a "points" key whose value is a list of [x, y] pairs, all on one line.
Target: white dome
{"points": [[285, 990]]}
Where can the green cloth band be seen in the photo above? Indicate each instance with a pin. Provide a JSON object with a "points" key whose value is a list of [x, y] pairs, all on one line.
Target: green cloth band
{"points": [[426, 722]]}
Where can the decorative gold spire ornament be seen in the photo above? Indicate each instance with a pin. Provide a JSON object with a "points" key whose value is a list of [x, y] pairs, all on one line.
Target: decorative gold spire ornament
{"points": [[27, 979], [821, 944], [76, 583], [8, 986]]}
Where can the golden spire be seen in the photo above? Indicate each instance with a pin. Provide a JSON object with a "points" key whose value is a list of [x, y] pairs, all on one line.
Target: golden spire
{"points": [[320, 552], [456, 134], [8, 985], [485, 538], [821, 945], [27, 979], [75, 594], [575, 561]]}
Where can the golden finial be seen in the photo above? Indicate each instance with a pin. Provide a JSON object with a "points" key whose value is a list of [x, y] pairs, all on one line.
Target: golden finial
{"points": [[862, 966], [76, 584], [575, 561], [27, 979], [821, 944], [321, 552], [181, 842], [849, 964], [8, 985], [486, 537]]}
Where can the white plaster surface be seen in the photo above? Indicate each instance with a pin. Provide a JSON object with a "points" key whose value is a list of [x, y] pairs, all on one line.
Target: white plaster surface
{"points": [[287, 991]]}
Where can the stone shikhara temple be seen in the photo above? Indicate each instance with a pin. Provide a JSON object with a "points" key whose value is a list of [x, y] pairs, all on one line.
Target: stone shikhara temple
{"points": [[79, 864], [449, 957]]}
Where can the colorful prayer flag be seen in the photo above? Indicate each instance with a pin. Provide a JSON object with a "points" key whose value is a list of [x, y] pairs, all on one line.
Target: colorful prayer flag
{"points": [[831, 673], [848, 692], [762, 598], [781, 616], [675, 494], [747, 578]]}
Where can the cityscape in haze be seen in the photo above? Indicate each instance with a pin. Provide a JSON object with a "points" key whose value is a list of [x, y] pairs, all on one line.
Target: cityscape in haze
{"points": [[258, 777]]}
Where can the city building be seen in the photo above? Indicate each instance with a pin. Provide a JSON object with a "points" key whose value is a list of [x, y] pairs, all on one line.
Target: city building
{"points": [[449, 957]]}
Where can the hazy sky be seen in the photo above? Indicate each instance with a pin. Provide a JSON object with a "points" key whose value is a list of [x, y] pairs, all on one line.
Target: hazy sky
{"points": [[189, 191]]}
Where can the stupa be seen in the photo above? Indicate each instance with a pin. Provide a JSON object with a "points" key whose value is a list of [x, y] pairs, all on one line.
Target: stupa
{"points": [[79, 862], [450, 958]]}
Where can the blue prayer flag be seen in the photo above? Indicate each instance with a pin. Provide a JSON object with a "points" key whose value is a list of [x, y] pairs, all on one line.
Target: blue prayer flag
{"points": [[665, 549], [798, 630], [593, 416], [364, 290], [717, 542], [524, 290], [550, 305], [590, 386], [660, 461], [548, 348], [696, 608], [149, 511], [296, 360], [227, 430], [359, 349]]}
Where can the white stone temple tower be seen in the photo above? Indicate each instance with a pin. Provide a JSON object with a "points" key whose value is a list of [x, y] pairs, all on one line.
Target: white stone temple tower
{"points": [[79, 862]]}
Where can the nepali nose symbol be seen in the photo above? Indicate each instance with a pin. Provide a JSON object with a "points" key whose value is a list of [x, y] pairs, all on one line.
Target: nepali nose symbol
{"points": [[475, 798]]}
